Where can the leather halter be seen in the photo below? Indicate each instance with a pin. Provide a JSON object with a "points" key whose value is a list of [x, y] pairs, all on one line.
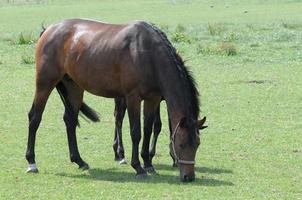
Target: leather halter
{"points": [[180, 161]]}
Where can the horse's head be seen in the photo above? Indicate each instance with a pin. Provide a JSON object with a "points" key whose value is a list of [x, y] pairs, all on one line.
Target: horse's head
{"points": [[184, 143]]}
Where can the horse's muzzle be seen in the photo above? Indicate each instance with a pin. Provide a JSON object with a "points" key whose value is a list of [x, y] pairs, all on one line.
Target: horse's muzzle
{"points": [[187, 177]]}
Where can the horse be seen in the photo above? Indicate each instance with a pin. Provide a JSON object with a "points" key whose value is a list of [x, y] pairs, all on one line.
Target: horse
{"points": [[135, 61]]}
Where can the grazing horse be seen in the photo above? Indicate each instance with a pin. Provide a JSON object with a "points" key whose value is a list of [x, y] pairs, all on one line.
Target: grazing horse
{"points": [[135, 61]]}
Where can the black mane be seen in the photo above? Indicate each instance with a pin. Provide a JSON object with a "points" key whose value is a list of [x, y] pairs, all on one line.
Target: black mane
{"points": [[185, 73]]}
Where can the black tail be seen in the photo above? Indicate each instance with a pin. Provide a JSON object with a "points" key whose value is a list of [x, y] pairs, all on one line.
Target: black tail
{"points": [[89, 113], [85, 109]]}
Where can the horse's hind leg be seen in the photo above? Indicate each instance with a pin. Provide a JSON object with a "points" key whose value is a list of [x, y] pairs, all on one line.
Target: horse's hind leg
{"points": [[119, 113], [43, 90], [73, 97]]}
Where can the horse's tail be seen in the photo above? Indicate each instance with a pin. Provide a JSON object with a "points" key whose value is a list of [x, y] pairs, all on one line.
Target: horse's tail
{"points": [[89, 113], [85, 109]]}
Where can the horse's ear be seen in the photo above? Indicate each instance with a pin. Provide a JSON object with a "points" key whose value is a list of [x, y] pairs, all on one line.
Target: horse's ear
{"points": [[200, 123], [183, 122]]}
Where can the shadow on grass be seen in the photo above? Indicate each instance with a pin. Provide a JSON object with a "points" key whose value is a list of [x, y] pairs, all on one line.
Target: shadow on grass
{"points": [[113, 175], [206, 170]]}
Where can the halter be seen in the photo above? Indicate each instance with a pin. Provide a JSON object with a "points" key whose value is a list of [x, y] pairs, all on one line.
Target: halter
{"points": [[185, 162]]}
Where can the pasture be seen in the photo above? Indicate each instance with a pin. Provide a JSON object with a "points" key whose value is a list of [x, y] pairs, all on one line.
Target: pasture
{"points": [[246, 57]]}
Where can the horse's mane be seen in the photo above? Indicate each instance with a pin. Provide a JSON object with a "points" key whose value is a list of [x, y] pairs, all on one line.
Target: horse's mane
{"points": [[183, 70]]}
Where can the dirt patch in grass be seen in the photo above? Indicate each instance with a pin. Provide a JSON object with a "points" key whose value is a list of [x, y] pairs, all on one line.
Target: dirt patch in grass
{"points": [[257, 82]]}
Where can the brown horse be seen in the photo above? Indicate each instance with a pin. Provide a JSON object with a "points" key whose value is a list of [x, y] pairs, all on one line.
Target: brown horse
{"points": [[135, 61]]}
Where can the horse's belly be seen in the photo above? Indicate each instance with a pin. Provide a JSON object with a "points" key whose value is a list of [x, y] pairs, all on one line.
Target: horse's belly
{"points": [[103, 81], [101, 87], [109, 93]]}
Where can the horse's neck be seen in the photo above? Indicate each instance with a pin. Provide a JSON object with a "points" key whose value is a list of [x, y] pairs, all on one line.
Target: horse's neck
{"points": [[177, 99]]}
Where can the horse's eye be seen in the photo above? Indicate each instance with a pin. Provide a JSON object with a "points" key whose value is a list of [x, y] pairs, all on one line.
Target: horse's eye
{"points": [[182, 146]]}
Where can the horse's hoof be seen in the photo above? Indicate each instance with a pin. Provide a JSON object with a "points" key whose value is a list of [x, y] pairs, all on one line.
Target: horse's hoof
{"points": [[150, 170], [32, 169], [123, 161], [84, 167], [141, 176]]}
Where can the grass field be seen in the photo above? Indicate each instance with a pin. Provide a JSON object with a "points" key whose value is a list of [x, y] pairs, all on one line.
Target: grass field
{"points": [[247, 59]]}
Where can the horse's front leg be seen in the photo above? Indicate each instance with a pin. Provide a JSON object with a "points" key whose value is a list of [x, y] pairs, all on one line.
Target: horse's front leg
{"points": [[150, 107], [133, 105], [119, 113], [156, 130]]}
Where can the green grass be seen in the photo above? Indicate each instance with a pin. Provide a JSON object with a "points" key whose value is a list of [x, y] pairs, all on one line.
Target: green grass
{"points": [[28, 60], [252, 99]]}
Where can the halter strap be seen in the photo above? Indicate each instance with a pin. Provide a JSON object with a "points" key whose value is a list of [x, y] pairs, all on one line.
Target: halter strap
{"points": [[180, 161]]}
